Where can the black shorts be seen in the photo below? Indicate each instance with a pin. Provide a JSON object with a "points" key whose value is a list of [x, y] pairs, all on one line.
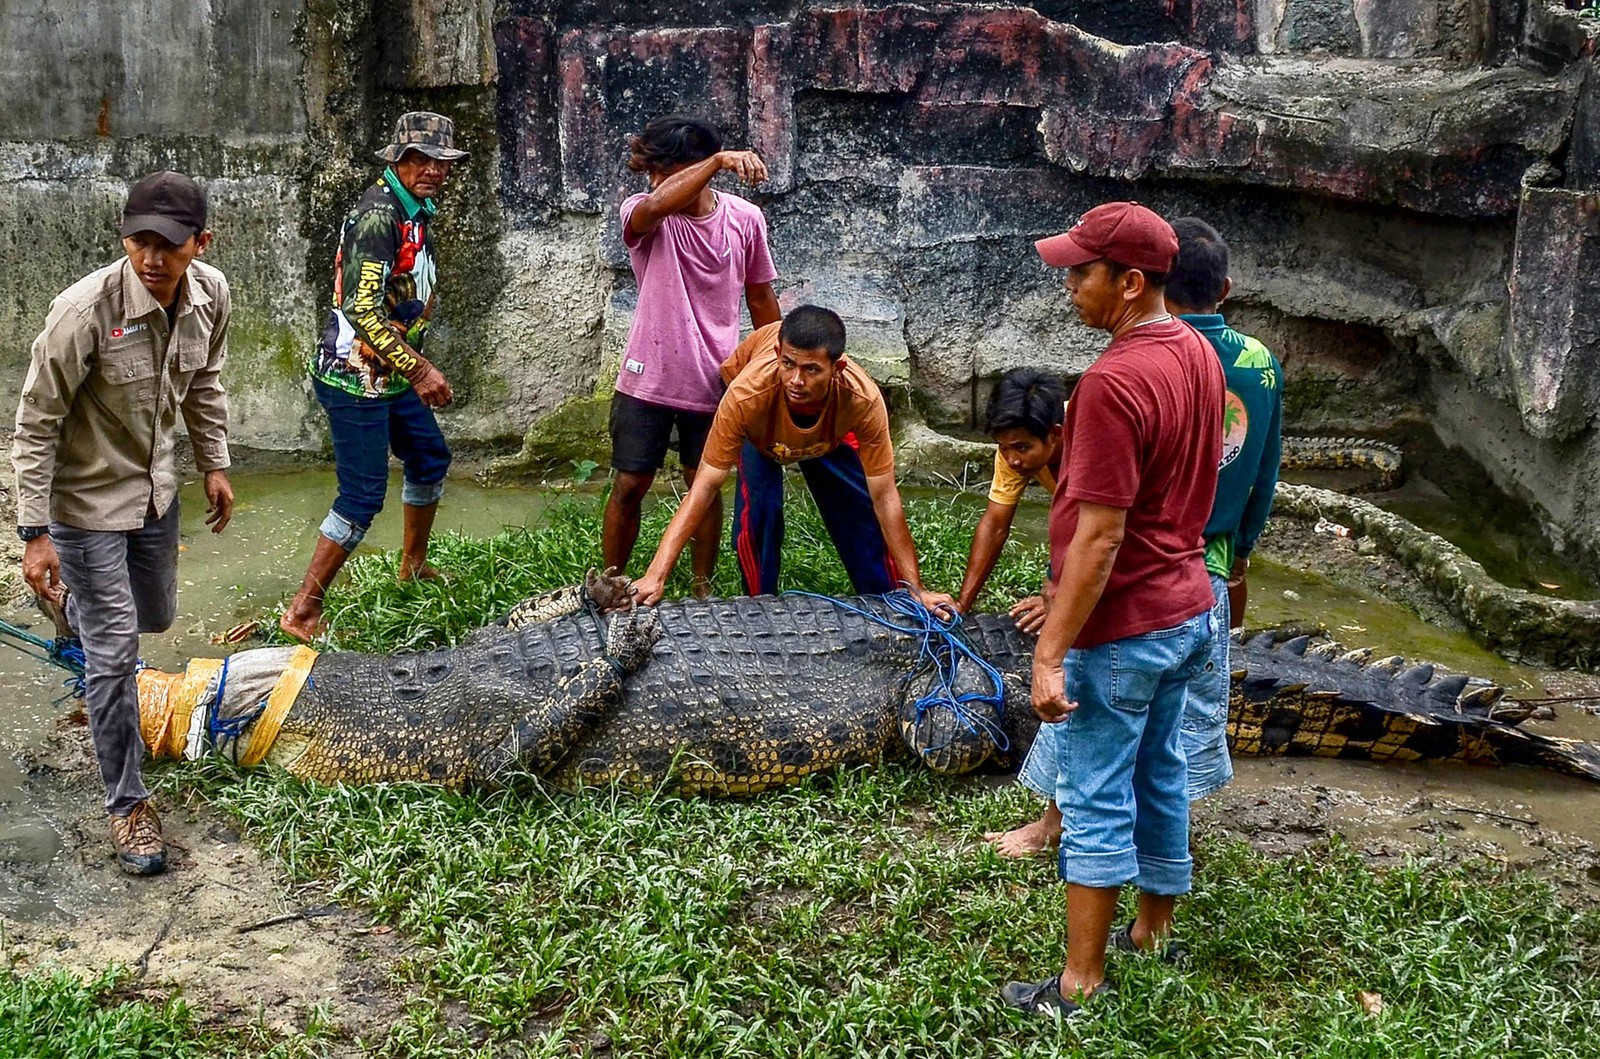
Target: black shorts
{"points": [[641, 433]]}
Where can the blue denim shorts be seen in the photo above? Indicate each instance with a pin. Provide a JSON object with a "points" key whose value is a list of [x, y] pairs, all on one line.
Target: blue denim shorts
{"points": [[1205, 713], [1120, 779], [1205, 723]]}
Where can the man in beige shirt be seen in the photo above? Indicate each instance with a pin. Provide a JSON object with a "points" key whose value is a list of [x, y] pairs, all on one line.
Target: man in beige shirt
{"points": [[123, 351]]}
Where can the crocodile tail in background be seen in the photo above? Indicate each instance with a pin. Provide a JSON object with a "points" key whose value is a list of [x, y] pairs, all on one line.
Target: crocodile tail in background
{"points": [[1290, 698], [1384, 461]]}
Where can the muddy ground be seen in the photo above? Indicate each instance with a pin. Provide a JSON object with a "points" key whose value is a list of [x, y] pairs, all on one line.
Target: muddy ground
{"points": [[10, 547], [222, 927]]}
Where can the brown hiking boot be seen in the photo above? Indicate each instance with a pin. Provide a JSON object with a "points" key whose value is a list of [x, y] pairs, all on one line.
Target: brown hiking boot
{"points": [[137, 836]]}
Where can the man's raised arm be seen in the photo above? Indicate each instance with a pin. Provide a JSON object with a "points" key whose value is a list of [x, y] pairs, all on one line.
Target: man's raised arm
{"points": [[678, 192]]}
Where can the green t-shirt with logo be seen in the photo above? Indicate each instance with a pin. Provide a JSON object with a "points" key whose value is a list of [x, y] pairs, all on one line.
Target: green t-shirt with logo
{"points": [[1252, 442]]}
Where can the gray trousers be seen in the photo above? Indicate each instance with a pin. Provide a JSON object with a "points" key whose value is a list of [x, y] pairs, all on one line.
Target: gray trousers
{"points": [[120, 585]]}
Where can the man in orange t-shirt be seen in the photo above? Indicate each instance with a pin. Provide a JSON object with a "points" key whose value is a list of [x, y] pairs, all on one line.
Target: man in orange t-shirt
{"points": [[794, 398]]}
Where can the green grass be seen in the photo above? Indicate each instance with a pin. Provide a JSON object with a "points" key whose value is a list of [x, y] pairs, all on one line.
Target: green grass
{"points": [[861, 916], [853, 915], [58, 1016]]}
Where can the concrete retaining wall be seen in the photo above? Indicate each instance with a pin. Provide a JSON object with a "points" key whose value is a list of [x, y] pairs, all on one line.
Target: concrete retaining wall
{"points": [[1408, 186]]}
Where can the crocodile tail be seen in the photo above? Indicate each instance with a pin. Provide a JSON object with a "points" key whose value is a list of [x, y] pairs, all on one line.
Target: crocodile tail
{"points": [[1286, 699], [1572, 756], [1384, 460]]}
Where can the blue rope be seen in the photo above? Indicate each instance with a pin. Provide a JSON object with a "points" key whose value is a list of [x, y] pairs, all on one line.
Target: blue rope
{"points": [[64, 651], [67, 653], [227, 730], [944, 647]]}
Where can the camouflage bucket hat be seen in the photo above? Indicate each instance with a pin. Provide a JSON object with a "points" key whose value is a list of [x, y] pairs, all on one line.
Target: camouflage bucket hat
{"points": [[420, 130]]}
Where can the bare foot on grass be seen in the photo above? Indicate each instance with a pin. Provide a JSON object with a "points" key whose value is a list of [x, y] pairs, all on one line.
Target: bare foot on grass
{"points": [[1029, 839]]}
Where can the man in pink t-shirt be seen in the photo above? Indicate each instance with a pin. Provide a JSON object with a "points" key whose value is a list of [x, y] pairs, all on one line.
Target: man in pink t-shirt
{"points": [[695, 253]]}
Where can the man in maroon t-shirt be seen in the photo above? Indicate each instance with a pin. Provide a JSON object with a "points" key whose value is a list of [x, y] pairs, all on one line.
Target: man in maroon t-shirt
{"points": [[1131, 619]]}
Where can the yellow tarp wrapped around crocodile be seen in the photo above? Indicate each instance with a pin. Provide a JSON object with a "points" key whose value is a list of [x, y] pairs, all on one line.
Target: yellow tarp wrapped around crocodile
{"points": [[168, 702]]}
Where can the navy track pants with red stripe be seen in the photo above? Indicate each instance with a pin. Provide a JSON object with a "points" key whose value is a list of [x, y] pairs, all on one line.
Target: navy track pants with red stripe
{"points": [[839, 486]]}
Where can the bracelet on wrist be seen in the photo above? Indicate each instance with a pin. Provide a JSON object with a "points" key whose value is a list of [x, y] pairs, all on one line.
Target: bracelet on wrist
{"points": [[32, 533]]}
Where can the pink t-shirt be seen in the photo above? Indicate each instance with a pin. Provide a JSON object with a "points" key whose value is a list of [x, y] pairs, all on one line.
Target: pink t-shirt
{"points": [[692, 272]]}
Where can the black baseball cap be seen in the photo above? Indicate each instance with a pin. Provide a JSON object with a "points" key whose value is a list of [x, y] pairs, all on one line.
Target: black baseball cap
{"points": [[167, 203]]}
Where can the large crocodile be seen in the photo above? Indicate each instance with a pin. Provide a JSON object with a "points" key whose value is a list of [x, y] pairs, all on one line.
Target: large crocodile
{"points": [[737, 696]]}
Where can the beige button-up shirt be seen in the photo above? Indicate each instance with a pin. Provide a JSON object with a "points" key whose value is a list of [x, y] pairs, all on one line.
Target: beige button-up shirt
{"points": [[99, 408]]}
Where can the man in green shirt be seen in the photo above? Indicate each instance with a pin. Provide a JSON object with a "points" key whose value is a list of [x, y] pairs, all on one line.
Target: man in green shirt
{"points": [[1252, 435]]}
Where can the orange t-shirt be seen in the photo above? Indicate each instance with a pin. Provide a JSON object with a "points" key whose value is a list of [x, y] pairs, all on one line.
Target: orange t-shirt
{"points": [[754, 410]]}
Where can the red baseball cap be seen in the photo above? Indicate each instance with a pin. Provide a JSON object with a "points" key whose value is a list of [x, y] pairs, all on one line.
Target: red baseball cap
{"points": [[1125, 232]]}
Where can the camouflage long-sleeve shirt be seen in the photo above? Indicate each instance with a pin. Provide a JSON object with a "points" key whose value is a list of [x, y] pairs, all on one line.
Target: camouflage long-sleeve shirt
{"points": [[383, 282]]}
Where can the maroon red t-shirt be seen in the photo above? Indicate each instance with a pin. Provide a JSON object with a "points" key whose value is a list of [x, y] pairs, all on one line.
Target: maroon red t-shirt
{"points": [[1144, 433]]}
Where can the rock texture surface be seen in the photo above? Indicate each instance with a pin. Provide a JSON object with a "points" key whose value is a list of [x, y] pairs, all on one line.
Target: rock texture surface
{"points": [[1409, 187]]}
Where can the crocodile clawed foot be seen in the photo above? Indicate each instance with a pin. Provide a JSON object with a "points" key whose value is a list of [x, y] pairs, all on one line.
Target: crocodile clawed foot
{"points": [[609, 590], [630, 635]]}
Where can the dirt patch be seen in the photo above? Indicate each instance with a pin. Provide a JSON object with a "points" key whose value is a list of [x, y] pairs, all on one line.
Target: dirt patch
{"points": [[1282, 807], [222, 927]]}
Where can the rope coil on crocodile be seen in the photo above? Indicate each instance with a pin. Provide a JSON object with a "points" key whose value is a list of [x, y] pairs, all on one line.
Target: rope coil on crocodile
{"points": [[939, 723]]}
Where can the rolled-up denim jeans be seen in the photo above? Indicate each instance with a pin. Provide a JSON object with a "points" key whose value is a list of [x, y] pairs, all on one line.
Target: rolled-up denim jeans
{"points": [[364, 430], [1205, 713], [1121, 778], [1205, 723]]}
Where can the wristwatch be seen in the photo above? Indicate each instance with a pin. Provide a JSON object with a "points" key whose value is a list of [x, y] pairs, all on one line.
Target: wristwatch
{"points": [[30, 533]]}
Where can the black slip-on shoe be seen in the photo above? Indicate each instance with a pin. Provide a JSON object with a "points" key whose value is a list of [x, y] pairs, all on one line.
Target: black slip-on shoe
{"points": [[1044, 998], [1121, 940]]}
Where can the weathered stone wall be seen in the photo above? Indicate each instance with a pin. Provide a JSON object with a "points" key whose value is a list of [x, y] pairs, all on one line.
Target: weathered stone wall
{"points": [[95, 95], [1409, 186]]}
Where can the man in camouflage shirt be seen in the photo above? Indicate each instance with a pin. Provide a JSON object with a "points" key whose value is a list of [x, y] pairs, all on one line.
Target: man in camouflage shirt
{"points": [[368, 370]]}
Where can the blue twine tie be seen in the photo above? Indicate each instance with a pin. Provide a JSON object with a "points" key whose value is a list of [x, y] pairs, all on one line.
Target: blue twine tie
{"points": [[943, 646]]}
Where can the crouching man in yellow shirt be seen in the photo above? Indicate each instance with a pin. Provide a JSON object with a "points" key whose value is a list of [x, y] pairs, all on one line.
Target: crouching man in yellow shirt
{"points": [[1024, 417]]}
